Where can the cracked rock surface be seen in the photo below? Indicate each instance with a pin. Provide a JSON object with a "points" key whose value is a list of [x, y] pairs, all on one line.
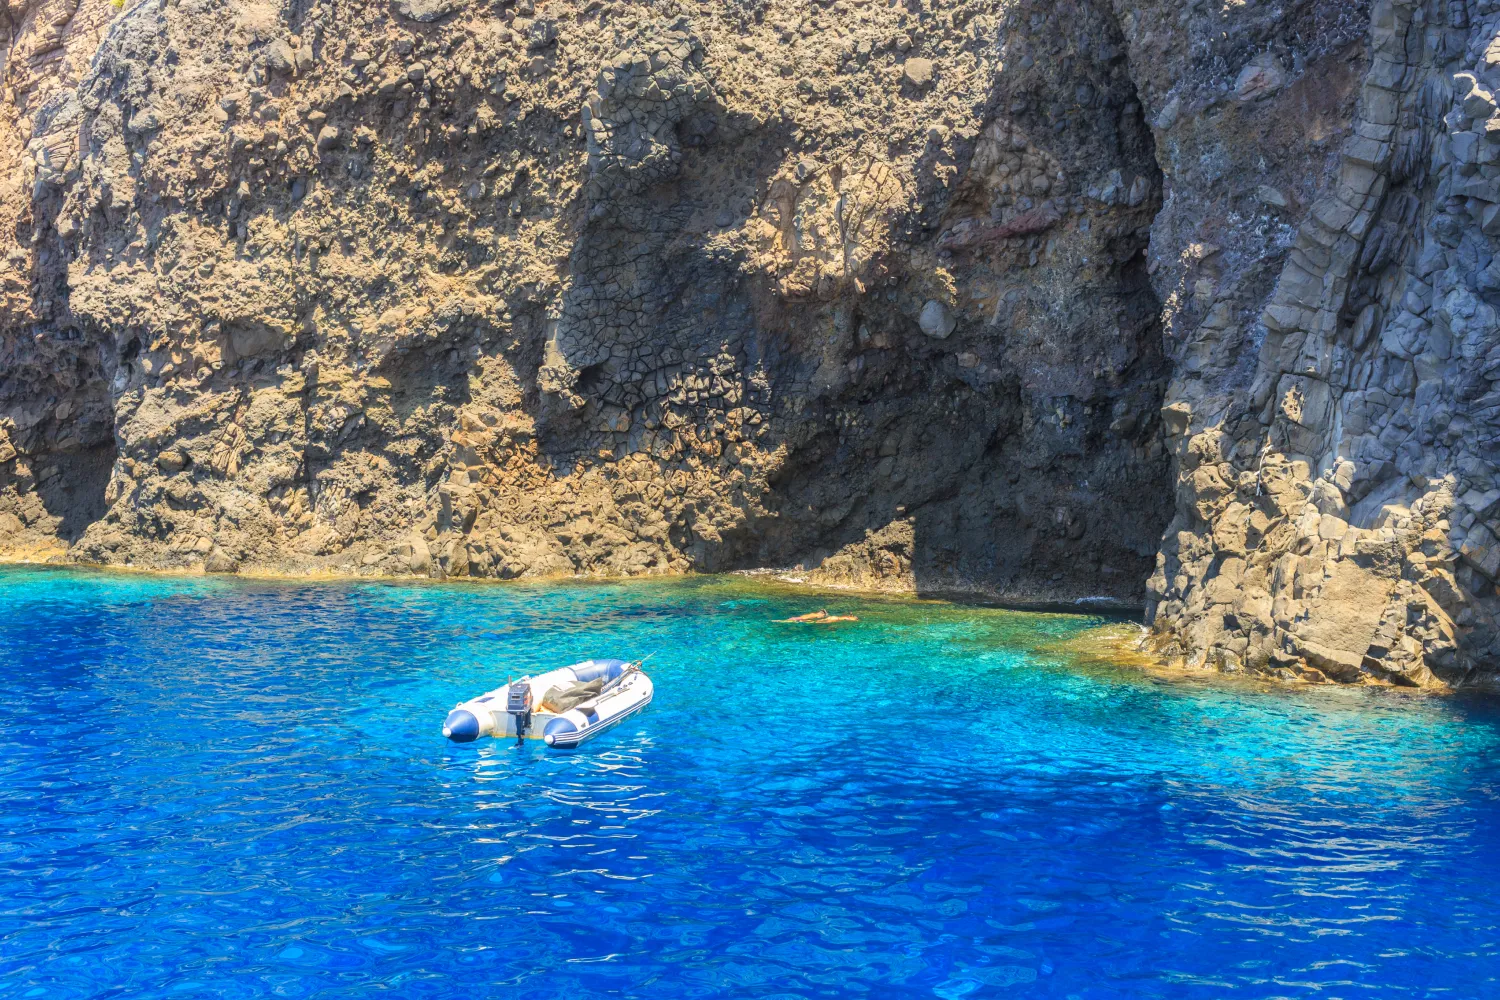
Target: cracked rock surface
{"points": [[515, 289], [1021, 299], [1334, 335]]}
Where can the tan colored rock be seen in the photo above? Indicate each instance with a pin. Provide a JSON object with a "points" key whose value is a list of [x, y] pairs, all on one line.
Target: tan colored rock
{"points": [[881, 561], [918, 72], [218, 561], [582, 290]]}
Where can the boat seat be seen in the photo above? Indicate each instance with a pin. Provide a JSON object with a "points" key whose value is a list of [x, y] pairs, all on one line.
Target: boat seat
{"points": [[559, 700]]}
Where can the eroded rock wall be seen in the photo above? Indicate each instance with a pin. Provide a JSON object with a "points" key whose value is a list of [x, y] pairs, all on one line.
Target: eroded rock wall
{"points": [[1336, 449], [929, 295], [56, 413], [515, 289]]}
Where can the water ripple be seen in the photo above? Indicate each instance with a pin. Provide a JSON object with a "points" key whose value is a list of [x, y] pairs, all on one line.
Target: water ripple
{"points": [[227, 789]]}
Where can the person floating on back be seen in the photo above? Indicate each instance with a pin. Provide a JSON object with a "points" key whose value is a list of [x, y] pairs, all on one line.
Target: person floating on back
{"points": [[820, 617]]}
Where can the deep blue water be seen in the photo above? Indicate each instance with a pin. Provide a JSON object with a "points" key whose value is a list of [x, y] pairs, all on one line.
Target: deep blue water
{"points": [[224, 789]]}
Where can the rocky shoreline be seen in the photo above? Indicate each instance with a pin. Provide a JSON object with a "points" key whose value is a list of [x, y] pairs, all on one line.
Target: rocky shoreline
{"points": [[785, 576], [1112, 646], [1189, 308]]}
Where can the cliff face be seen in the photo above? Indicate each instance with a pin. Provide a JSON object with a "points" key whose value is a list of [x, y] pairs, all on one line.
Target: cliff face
{"points": [[442, 288], [56, 411], [931, 295], [1336, 492]]}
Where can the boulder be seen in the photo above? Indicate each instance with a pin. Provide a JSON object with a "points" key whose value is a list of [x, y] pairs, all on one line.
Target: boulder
{"points": [[936, 320], [1347, 613], [219, 561], [415, 554], [427, 11], [280, 56], [918, 72], [1261, 77], [1271, 196]]}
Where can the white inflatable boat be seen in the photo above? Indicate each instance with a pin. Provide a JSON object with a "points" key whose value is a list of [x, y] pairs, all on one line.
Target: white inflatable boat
{"points": [[564, 707]]}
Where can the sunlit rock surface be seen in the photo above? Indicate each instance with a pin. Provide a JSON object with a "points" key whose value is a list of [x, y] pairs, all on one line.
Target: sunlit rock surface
{"points": [[1015, 299]]}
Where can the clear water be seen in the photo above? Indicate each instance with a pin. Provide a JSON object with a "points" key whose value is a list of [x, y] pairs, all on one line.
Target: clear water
{"points": [[228, 789]]}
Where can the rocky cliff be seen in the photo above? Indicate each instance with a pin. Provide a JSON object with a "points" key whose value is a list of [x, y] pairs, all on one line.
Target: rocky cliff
{"points": [[1008, 298], [1335, 442]]}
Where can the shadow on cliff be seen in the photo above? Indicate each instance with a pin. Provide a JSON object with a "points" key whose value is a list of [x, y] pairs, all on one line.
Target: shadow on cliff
{"points": [[1018, 453], [54, 388], [73, 486]]}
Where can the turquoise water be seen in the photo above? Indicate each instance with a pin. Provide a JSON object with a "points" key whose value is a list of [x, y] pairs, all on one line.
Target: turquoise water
{"points": [[214, 788]]}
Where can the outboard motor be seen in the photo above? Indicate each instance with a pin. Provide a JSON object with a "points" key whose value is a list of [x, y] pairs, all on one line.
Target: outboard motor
{"points": [[485, 715], [518, 704]]}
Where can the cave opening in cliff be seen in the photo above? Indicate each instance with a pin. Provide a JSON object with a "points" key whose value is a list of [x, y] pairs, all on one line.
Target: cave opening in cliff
{"points": [[988, 414], [71, 487], [894, 327]]}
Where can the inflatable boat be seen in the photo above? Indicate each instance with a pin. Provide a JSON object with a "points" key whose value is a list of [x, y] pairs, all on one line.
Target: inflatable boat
{"points": [[563, 707]]}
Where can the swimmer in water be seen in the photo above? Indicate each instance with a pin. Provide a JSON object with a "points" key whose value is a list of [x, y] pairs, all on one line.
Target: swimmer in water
{"points": [[820, 617]]}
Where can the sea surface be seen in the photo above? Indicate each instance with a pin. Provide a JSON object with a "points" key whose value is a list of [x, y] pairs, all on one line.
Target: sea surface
{"points": [[218, 788]]}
